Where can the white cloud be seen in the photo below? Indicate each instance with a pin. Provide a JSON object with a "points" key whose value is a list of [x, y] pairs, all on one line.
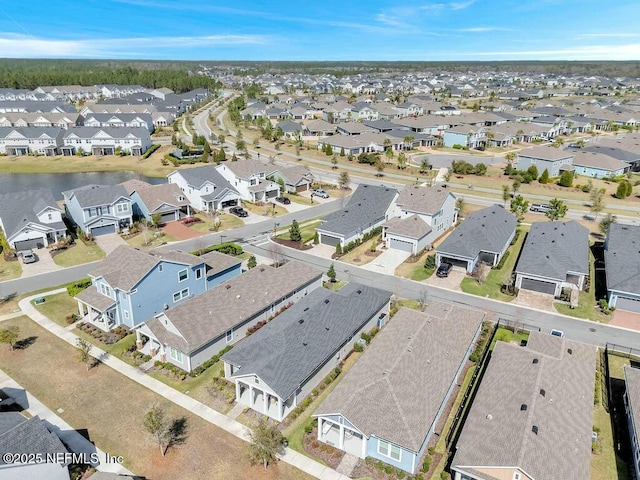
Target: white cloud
{"points": [[608, 35], [20, 46], [592, 52], [437, 7]]}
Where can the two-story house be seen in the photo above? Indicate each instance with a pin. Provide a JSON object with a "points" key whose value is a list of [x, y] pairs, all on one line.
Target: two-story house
{"points": [[31, 219], [99, 209], [106, 140], [205, 188], [249, 178], [425, 214], [119, 120], [132, 285], [31, 140]]}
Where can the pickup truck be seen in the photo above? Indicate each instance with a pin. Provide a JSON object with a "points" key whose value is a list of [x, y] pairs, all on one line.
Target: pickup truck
{"points": [[540, 207]]}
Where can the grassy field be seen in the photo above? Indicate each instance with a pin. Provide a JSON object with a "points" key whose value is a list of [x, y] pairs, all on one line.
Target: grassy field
{"points": [[266, 210], [57, 307], [78, 254], [111, 407], [139, 240], [415, 271], [496, 278], [9, 270]]}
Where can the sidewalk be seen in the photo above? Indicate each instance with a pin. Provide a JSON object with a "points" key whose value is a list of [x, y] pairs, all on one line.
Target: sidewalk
{"points": [[233, 427], [72, 439]]}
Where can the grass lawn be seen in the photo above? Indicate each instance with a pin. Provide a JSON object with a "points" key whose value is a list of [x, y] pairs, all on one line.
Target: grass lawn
{"points": [[605, 464], [139, 240], [358, 256], [506, 335], [295, 432], [496, 278], [307, 230], [227, 222], [415, 271], [77, 254], [405, 302], [111, 407], [616, 366], [266, 209], [9, 270], [300, 199], [57, 307], [335, 286]]}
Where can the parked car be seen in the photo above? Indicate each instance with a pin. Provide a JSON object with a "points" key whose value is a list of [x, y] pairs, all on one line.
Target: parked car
{"points": [[444, 269], [283, 200], [557, 333], [540, 207], [318, 192], [239, 212], [28, 256]]}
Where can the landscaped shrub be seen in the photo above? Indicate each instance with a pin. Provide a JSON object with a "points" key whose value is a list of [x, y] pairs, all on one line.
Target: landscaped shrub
{"points": [[357, 347], [76, 287], [179, 373], [212, 361], [190, 220], [502, 260], [228, 248], [152, 149]]}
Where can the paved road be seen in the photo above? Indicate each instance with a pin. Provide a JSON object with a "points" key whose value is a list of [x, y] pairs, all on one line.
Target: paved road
{"points": [[46, 280]]}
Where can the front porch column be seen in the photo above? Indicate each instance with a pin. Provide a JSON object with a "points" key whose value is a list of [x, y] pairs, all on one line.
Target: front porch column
{"points": [[265, 402], [341, 438], [280, 409], [251, 399], [320, 422], [237, 391], [138, 340], [80, 308]]}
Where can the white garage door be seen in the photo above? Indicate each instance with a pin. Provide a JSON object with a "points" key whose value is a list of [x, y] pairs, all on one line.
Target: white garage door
{"points": [[402, 245], [628, 304]]}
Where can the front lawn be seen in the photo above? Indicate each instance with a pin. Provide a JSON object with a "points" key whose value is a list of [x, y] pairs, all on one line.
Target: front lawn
{"points": [[9, 270], [78, 254], [140, 241], [301, 200], [307, 230], [492, 286], [227, 222], [415, 270], [266, 209], [507, 335], [57, 307], [362, 254]]}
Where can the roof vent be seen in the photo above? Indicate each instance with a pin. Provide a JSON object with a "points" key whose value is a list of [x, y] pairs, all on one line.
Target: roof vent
{"points": [[534, 429], [304, 343], [326, 300], [326, 328], [543, 392], [358, 292], [306, 309], [570, 351], [489, 416], [523, 407], [301, 321], [238, 296], [535, 360], [227, 287]]}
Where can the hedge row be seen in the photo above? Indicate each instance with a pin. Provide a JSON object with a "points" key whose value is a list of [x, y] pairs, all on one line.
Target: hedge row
{"points": [[152, 149], [228, 248], [212, 361]]}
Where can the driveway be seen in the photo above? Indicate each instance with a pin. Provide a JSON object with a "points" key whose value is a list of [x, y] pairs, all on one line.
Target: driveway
{"points": [[623, 318], [255, 218], [531, 299], [295, 207], [452, 282], [180, 231], [45, 264], [387, 261], [323, 251], [110, 242]]}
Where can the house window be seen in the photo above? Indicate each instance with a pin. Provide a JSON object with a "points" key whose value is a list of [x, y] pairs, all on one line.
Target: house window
{"points": [[50, 216], [198, 274], [122, 207], [180, 295], [175, 354], [389, 450], [229, 336], [105, 289], [126, 314], [183, 275]]}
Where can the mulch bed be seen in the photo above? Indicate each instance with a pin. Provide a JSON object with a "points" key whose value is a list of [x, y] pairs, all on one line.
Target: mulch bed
{"points": [[10, 257], [331, 456], [107, 338], [292, 244]]}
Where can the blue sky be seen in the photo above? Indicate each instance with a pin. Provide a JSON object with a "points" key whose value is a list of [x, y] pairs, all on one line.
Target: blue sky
{"points": [[322, 29]]}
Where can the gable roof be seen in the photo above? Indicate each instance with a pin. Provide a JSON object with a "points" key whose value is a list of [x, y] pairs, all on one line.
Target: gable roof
{"points": [[154, 196], [552, 249], [498, 432], [246, 168], [286, 351], [410, 227], [395, 390], [293, 174], [95, 195], [486, 230], [550, 154], [18, 209], [198, 176], [418, 199], [22, 435], [367, 205], [622, 258], [598, 160]]}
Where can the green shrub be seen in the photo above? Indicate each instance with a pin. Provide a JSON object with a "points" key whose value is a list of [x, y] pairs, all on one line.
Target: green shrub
{"points": [[502, 260], [430, 262], [357, 347], [152, 149], [228, 248], [209, 363], [426, 465], [308, 429], [566, 179], [75, 288]]}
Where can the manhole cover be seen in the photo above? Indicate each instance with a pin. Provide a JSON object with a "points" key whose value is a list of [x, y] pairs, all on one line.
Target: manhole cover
{"points": [[592, 329]]}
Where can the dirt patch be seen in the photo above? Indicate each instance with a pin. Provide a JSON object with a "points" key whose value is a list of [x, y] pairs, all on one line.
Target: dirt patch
{"points": [[292, 244]]}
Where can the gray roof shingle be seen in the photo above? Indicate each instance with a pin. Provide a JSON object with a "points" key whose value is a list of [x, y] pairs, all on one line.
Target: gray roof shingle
{"points": [[17, 209], [95, 195], [632, 383], [28, 436], [545, 153], [286, 351], [395, 390], [622, 258], [486, 230], [558, 393], [552, 249], [411, 227], [198, 176], [422, 199]]}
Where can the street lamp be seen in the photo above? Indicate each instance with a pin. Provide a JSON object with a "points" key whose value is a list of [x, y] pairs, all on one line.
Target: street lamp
{"points": [[221, 237]]}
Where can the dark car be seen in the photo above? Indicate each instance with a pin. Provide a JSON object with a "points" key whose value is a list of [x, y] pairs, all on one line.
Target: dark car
{"points": [[239, 212], [284, 200], [443, 270]]}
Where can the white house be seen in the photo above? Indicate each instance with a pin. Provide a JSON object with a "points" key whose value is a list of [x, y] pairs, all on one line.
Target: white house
{"points": [[31, 140], [249, 178], [106, 140], [205, 187]]}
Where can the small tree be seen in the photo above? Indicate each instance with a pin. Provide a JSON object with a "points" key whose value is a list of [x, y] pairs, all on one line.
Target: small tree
{"points": [[344, 180], [328, 150], [481, 272], [334, 161], [331, 273], [519, 206], [379, 167], [505, 194], [566, 179], [156, 219], [544, 178], [597, 202], [460, 205], [430, 262], [316, 238], [294, 232], [252, 262], [157, 425], [425, 166], [557, 209], [402, 161], [84, 352], [480, 169], [624, 189], [603, 226], [515, 186], [9, 335], [342, 153], [266, 443], [338, 249]]}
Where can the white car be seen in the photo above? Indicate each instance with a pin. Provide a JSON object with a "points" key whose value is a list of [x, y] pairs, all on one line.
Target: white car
{"points": [[557, 333], [28, 256]]}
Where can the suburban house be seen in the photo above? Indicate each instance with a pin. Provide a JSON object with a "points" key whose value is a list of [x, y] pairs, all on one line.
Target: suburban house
{"points": [[532, 416], [166, 200], [189, 334], [296, 178], [425, 215], [99, 209], [484, 236], [632, 409], [20, 435], [555, 255], [249, 178], [31, 140], [466, 136], [279, 365], [119, 120], [598, 165], [205, 188], [132, 285], [31, 219], [544, 158], [106, 140], [61, 120], [388, 405], [622, 266], [368, 208]]}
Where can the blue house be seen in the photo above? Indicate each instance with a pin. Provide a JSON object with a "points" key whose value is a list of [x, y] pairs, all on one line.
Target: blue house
{"points": [[99, 209], [388, 405], [132, 285], [622, 267]]}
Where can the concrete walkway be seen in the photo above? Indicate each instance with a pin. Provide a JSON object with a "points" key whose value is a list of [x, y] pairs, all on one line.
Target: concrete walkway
{"points": [[347, 464], [233, 427], [9, 316], [72, 439]]}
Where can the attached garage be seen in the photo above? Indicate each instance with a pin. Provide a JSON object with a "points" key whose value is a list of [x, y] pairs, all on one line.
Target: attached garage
{"points": [[271, 193], [168, 217], [104, 230], [538, 286], [29, 244], [628, 304], [457, 264], [402, 245], [329, 240], [302, 188]]}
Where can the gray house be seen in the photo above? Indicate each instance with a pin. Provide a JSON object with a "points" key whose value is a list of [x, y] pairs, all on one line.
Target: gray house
{"points": [[532, 417], [622, 266], [632, 409], [36, 140], [31, 219], [279, 365], [369, 207], [191, 333], [555, 255], [484, 236], [388, 405], [99, 209], [296, 178], [551, 159]]}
